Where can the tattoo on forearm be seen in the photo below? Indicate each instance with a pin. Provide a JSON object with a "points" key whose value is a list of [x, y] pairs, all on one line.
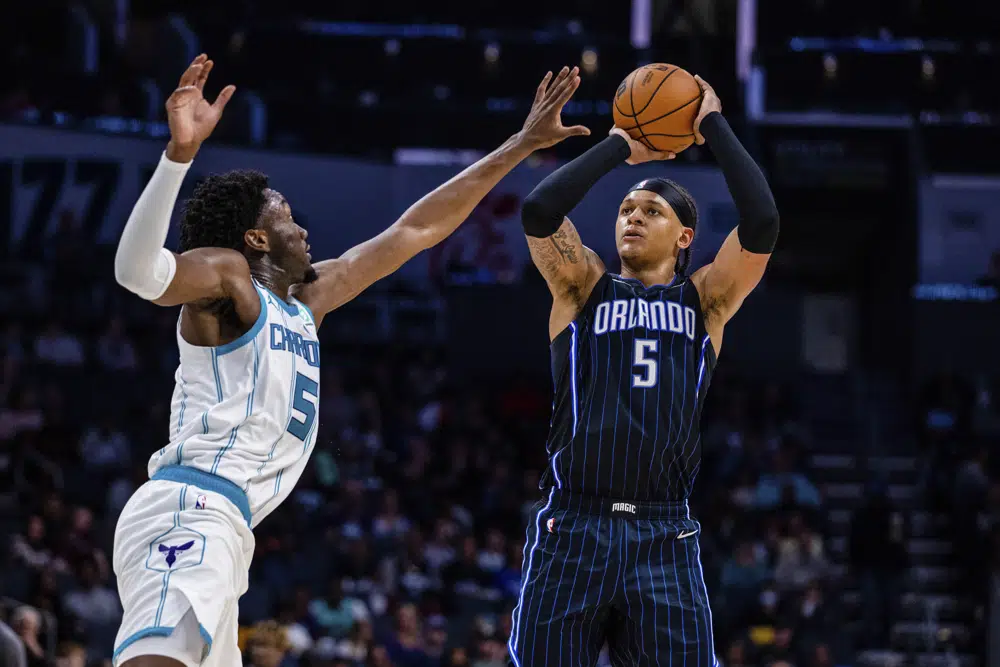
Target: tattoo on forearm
{"points": [[557, 258]]}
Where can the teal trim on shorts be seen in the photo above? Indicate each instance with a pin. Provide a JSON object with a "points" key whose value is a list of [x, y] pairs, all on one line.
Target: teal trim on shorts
{"points": [[209, 482], [152, 631]]}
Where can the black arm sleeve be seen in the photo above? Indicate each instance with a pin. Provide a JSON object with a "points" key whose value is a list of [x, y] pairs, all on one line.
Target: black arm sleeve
{"points": [[544, 209], [758, 229]]}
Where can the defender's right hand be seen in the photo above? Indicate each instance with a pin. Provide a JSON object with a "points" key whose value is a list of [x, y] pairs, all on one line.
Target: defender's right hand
{"points": [[640, 152], [190, 116]]}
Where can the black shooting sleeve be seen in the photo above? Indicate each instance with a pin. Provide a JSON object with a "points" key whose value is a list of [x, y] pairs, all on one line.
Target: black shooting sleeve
{"points": [[758, 228], [551, 201]]}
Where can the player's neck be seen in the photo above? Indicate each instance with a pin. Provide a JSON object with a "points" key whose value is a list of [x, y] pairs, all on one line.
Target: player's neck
{"points": [[660, 274], [273, 278]]}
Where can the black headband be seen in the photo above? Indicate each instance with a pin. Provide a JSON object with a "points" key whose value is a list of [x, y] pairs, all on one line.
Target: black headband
{"points": [[675, 195]]}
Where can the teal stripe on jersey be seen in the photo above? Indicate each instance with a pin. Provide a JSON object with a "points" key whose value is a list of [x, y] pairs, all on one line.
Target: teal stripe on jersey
{"points": [[249, 410]]}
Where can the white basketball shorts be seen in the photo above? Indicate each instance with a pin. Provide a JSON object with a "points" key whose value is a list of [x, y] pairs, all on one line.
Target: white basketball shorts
{"points": [[182, 553]]}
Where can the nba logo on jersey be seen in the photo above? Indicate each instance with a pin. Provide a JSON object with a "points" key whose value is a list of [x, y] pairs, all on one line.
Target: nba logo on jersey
{"points": [[551, 525], [200, 503]]}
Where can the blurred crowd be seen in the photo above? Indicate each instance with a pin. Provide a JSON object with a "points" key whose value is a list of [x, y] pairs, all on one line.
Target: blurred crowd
{"points": [[959, 427], [402, 544], [447, 74]]}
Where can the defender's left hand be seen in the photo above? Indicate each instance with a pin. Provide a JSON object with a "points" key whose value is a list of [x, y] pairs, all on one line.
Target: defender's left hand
{"points": [[709, 102]]}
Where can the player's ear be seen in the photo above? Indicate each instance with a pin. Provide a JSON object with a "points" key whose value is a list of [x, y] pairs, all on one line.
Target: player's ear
{"points": [[257, 240], [687, 238]]}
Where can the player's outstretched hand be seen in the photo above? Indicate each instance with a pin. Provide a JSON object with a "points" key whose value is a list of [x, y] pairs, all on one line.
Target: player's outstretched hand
{"points": [[189, 114], [543, 127], [709, 102], [641, 152]]}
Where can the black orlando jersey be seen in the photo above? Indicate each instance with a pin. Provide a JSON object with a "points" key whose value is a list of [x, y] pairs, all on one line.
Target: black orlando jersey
{"points": [[630, 374]]}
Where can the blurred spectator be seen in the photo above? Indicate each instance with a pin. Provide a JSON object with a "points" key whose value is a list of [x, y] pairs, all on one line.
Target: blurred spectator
{"points": [[782, 649], [12, 651], [296, 624], [736, 655], [267, 645], [379, 657], [92, 601], [12, 345], [944, 420], [115, 349], [815, 616], [57, 346], [71, 654], [972, 482], [122, 488], [31, 548], [104, 448], [464, 579], [78, 542], [801, 560], [335, 614], [971, 500], [508, 580], [821, 656], [492, 557], [724, 437], [437, 638], [878, 557], [741, 580], [23, 414], [27, 623], [354, 648], [389, 524], [406, 646], [784, 483], [438, 551]]}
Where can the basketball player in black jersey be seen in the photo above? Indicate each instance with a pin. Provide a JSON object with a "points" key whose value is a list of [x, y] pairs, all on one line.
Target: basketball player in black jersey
{"points": [[612, 553]]}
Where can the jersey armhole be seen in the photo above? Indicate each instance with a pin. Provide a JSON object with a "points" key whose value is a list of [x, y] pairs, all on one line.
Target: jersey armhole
{"points": [[701, 316], [251, 333], [576, 320]]}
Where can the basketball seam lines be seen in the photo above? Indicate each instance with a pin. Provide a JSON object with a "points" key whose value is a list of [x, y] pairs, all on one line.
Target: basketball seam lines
{"points": [[653, 120], [630, 96], [652, 95], [638, 125]]}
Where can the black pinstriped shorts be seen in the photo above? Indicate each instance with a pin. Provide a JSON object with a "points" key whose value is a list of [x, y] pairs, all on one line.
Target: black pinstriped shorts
{"points": [[598, 571]]}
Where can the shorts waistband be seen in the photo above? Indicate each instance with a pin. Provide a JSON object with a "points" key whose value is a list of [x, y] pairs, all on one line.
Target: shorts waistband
{"points": [[615, 507], [209, 482]]}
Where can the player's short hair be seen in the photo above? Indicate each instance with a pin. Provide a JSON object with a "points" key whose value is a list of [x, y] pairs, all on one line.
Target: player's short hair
{"points": [[222, 209]]}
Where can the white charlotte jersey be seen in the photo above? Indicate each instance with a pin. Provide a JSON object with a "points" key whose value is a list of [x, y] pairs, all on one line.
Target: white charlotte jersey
{"points": [[246, 411]]}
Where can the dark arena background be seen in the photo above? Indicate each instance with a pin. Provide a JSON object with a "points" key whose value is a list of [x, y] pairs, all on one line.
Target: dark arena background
{"points": [[849, 492]]}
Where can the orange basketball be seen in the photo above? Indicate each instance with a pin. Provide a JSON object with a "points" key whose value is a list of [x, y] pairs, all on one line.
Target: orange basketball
{"points": [[657, 104]]}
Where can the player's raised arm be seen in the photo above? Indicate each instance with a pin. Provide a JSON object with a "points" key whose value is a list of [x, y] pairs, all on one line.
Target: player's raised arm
{"points": [[742, 259], [142, 264], [439, 213], [571, 269]]}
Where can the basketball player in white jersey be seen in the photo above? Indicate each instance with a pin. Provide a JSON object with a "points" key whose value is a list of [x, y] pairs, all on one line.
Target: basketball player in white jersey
{"points": [[243, 416]]}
